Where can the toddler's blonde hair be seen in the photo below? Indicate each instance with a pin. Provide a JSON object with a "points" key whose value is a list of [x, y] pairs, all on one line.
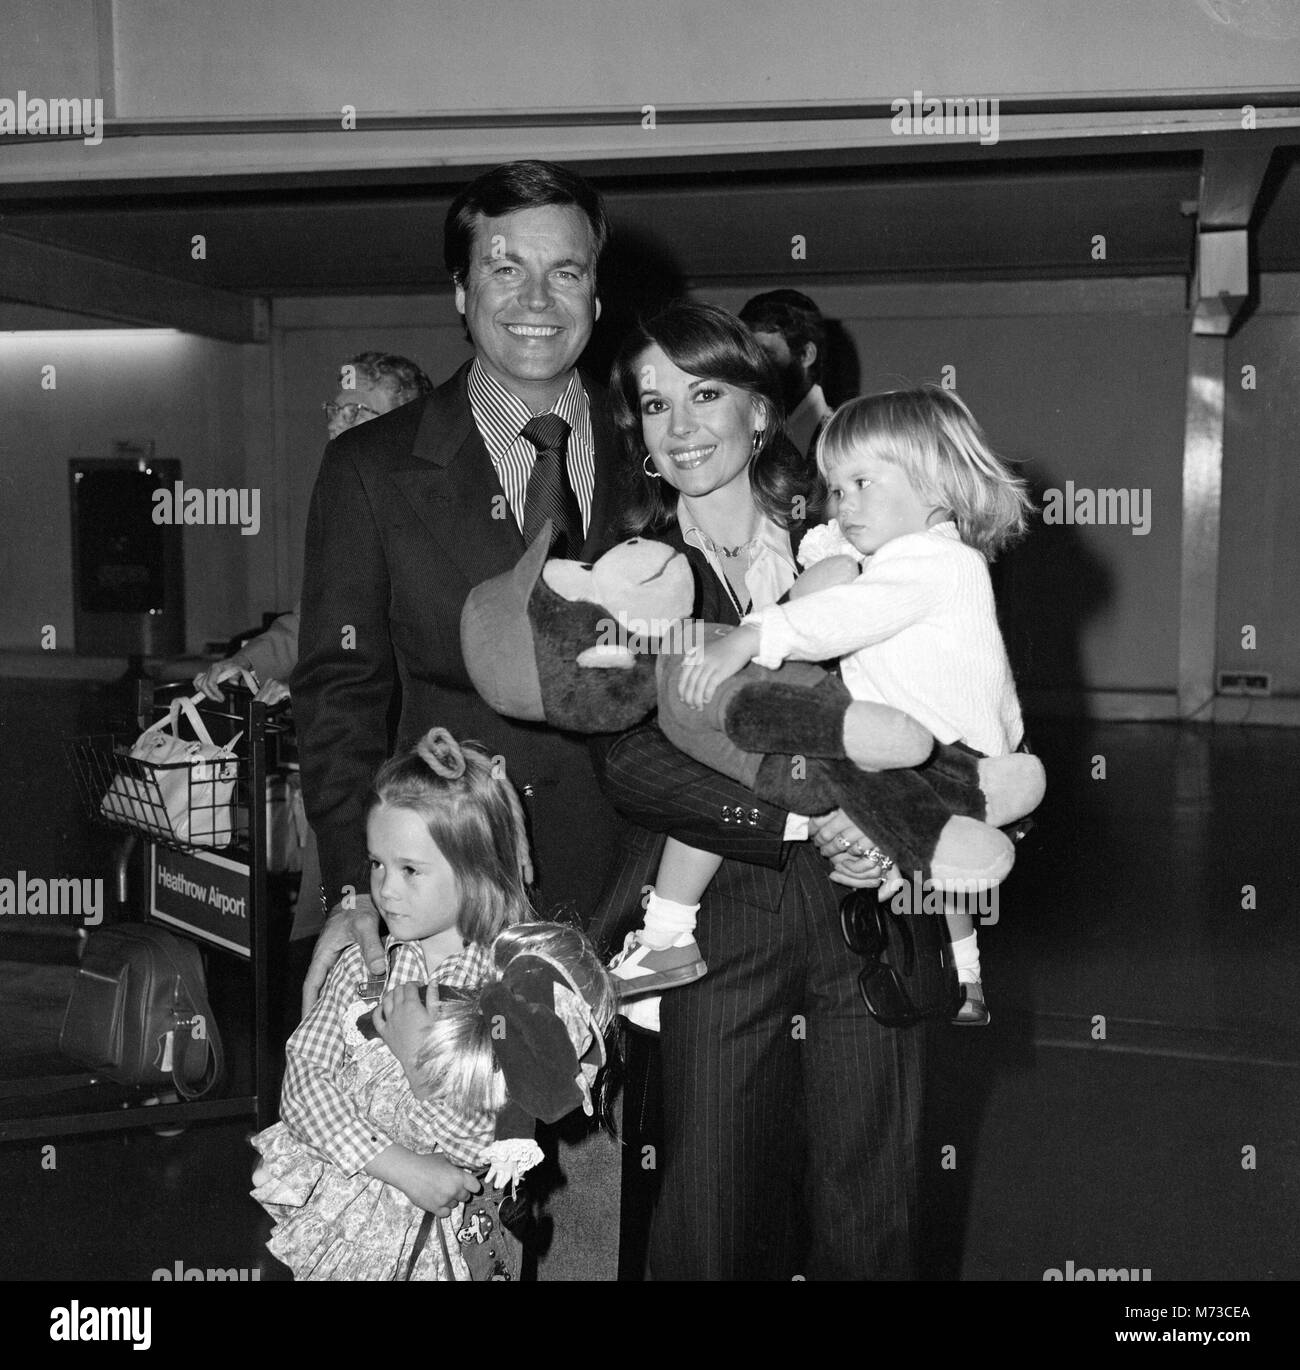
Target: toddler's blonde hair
{"points": [[931, 434]]}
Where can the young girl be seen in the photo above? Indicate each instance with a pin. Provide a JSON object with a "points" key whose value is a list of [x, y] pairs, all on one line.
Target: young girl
{"points": [[372, 1139], [918, 495]]}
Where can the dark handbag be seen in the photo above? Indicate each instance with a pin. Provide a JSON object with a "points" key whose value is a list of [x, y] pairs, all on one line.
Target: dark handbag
{"points": [[139, 1012], [907, 975]]}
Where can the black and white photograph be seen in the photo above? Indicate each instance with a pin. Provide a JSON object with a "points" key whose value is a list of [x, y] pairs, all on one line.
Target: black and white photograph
{"points": [[650, 643]]}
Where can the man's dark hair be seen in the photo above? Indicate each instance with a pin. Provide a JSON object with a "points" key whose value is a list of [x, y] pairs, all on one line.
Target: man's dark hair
{"points": [[794, 316], [517, 185], [400, 373]]}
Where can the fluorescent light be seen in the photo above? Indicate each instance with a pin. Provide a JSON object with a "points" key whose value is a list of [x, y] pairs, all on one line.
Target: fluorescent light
{"points": [[20, 335]]}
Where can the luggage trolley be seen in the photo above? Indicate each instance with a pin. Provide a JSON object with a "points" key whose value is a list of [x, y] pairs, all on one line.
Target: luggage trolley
{"points": [[205, 867]]}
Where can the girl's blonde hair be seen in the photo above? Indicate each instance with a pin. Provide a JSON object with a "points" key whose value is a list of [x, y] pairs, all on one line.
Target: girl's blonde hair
{"points": [[456, 1062], [475, 819], [931, 434]]}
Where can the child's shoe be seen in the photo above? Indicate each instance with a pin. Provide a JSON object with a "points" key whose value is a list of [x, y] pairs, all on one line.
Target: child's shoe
{"points": [[973, 1012], [642, 1013], [640, 969]]}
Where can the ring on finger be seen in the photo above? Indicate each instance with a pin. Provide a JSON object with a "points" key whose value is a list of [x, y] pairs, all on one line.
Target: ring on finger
{"points": [[845, 844], [884, 862]]}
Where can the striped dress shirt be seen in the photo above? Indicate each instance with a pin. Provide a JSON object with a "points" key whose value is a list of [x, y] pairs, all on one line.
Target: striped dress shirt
{"points": [[500, 418]]}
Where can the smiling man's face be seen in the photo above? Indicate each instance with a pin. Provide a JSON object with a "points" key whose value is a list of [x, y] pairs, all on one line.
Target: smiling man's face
{"points": [[529, 298]]}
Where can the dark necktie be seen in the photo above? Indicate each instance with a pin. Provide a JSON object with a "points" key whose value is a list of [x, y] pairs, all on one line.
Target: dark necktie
{"points": [[550, 494]]}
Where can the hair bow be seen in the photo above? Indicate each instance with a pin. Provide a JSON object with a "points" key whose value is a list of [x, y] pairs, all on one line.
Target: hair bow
{"points": [[545, 1038]]}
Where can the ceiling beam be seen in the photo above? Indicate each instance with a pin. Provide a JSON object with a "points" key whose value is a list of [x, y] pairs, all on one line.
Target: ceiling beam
{"points": [[1230, 184], [38, 273]]}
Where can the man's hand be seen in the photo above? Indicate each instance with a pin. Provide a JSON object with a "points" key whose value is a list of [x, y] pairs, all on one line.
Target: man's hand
{"points": [[343, 928], [707, 666], [404, 1022], [430, 1182], [845, 844]]}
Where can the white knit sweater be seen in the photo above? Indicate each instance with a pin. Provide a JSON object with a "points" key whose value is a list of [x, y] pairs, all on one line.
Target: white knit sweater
{"points": [[917, 630]]}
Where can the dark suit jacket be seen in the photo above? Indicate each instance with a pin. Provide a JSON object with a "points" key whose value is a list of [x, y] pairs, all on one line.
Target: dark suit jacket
{"points": [[406, 517]]}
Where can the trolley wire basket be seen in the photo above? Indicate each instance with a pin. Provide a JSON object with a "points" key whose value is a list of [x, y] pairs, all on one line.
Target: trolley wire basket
{"points": [[192, 794]]}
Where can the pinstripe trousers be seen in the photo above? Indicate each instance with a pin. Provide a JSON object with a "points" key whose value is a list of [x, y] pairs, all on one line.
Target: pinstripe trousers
{"points": [[787, 1144]]}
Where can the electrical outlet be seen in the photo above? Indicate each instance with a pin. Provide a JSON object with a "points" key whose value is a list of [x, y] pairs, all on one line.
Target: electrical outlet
{"points": [[1256, 683]]}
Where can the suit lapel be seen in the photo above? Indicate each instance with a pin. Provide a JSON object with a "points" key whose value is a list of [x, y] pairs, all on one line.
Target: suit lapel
{"points": [[452, 485]]}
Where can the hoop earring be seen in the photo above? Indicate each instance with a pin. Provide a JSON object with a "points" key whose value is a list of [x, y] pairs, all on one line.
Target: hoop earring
{"points": [[758, 438], [645, 466]]}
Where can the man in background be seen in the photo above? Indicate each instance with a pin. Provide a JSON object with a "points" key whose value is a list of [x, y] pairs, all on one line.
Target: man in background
{"points": [[370, 384], [790, 329]]}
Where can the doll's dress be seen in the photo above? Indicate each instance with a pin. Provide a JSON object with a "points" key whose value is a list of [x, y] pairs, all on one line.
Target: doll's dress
{"points": [[332, 1226]]}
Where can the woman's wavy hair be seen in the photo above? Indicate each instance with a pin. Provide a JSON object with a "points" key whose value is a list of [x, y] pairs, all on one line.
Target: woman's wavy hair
{"points": [[932, 436], [456, 1062], [710, 343], [475, 820]]}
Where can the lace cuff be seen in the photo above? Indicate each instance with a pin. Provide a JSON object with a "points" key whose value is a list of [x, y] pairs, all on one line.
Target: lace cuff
{"points": [[824, 541]]}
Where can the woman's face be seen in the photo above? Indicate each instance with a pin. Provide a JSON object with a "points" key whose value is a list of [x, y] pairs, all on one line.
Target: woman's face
{"points": [[699, 432]]}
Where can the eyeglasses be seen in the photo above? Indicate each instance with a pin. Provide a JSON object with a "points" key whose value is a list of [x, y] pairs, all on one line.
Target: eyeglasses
{"points": [[870, 932], [347, 412]]}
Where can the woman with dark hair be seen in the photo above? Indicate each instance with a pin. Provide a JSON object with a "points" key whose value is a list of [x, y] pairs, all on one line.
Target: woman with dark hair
{"points": [[708, 345], [789, 1116]]}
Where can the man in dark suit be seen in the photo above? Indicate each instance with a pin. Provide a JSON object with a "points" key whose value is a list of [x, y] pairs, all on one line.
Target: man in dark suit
{"points": [[414, 508]]}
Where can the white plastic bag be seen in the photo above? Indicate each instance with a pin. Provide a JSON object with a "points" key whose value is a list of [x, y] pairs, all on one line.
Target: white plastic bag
{"points": [[195, 782]]}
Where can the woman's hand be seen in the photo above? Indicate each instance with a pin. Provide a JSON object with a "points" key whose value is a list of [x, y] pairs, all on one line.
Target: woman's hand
{"points": [[343, 928], [707, 666], [854, 857], [404, 1022]]}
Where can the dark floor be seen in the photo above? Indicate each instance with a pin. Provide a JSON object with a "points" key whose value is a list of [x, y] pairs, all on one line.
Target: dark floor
{"points": [[1134, 1103]]}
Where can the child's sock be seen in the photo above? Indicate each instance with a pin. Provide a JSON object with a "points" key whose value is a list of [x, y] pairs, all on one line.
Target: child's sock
{"points": [[966, 958], [666, 921]]}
